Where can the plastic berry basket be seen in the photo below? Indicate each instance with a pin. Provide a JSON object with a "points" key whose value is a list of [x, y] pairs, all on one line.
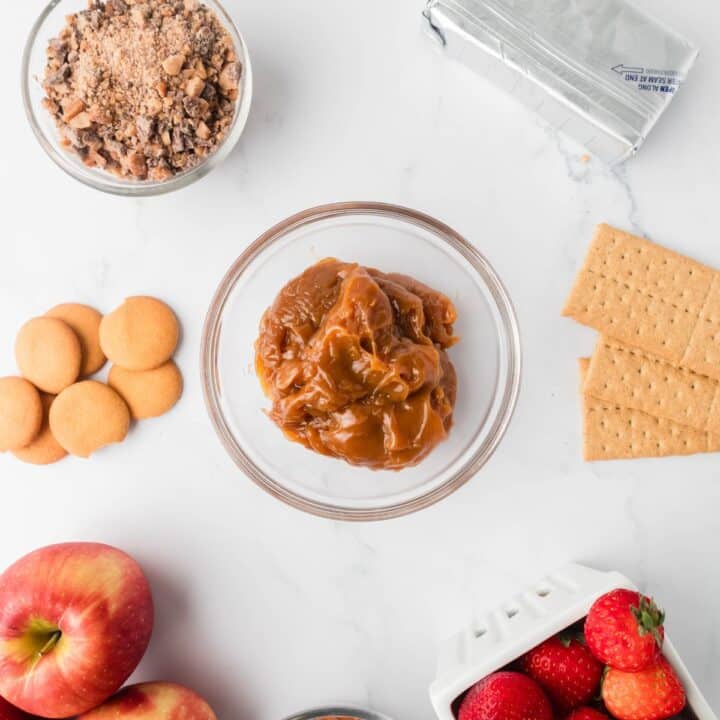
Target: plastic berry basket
{"points": [[554, 603]]}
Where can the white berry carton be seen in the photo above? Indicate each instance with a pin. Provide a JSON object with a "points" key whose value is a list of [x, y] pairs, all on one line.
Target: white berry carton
{"points": [[553, 604]]}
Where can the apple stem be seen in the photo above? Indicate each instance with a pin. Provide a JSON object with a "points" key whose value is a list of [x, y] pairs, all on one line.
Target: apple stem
{"points": [[51, 643]]}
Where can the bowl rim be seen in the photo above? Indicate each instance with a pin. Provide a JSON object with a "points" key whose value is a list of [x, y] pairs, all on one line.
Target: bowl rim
{"points": [[338, 710], [127, 188], [210, 374]]}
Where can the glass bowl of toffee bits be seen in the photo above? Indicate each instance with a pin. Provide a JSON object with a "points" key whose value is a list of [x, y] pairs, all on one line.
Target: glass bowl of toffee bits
{"points": [[136, 97]]}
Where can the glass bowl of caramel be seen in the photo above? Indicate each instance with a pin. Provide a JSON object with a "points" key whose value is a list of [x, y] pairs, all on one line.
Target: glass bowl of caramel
{"points": [[435, 305], [136, 99]]}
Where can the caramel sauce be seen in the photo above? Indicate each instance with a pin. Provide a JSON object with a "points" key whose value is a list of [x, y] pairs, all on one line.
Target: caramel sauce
{"points": [[355, 364]]}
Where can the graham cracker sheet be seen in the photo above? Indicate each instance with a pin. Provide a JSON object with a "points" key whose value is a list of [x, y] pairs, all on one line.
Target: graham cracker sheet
{"points": [[613, 432], [632, 378], [651, 298]]}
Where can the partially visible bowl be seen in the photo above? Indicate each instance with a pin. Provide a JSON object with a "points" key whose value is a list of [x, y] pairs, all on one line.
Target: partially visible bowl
{"points": [[391, 239], [47, 26], [338, 713]]}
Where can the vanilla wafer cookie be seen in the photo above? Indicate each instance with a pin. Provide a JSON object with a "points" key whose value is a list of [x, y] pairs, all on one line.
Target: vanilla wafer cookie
{"points": [[633, 378], [651, 298], [612, 432]]}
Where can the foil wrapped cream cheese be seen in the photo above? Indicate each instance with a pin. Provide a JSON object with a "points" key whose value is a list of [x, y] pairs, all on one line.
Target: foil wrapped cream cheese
{"points": [[600, 71]]}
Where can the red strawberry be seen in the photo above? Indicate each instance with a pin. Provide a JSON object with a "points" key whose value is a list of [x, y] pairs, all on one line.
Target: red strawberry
{"points": [[624, 629], [505, 696], [565, 669], [655, 693], [586, 713]]}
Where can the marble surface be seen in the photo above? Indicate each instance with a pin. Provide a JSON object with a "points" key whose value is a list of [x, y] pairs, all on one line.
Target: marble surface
{"points": [[261, 608]]}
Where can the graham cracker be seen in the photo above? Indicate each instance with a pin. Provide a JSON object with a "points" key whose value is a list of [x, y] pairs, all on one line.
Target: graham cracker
{"points": [[633, 378], [612, 432], [651, 298]]}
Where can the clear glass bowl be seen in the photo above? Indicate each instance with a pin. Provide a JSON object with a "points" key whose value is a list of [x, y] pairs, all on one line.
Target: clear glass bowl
{"points": [[338, 713], [389, 238], [47, 26]]}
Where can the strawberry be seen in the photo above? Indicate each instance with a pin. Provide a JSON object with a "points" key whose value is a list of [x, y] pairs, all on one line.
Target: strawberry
{"points": [[624, 629], [655, 693], [565, 669], [505, 696], [586, 713]]}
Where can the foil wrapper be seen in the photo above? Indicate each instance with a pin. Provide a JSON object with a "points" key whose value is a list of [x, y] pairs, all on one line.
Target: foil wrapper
{"points": [[600, 71]]}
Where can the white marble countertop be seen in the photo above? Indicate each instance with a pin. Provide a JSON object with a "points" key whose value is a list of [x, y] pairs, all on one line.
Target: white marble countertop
{"points": [[265, 610]]}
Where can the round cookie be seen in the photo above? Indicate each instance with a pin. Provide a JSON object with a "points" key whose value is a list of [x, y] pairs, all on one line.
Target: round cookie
{"points": [[21, 413], [85, 323], [148, 393], [88, 416], [141, 334], [44, 449], [48, 354]]}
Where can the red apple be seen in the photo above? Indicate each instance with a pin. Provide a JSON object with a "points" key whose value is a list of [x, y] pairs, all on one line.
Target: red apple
{"points": [[10, 712], [75, 620], [152, 701]]}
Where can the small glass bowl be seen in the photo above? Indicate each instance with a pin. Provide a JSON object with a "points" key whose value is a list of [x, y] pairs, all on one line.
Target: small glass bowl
{"points": [[338, 713], [391, 239], [47, 26]]}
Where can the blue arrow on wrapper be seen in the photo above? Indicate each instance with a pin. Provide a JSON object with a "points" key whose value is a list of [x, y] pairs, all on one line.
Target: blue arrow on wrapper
{"points": [[621, 69]]}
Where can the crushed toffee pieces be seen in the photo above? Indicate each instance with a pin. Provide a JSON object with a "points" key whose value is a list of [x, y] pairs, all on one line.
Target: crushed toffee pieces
{"points": [[143, 89]]}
